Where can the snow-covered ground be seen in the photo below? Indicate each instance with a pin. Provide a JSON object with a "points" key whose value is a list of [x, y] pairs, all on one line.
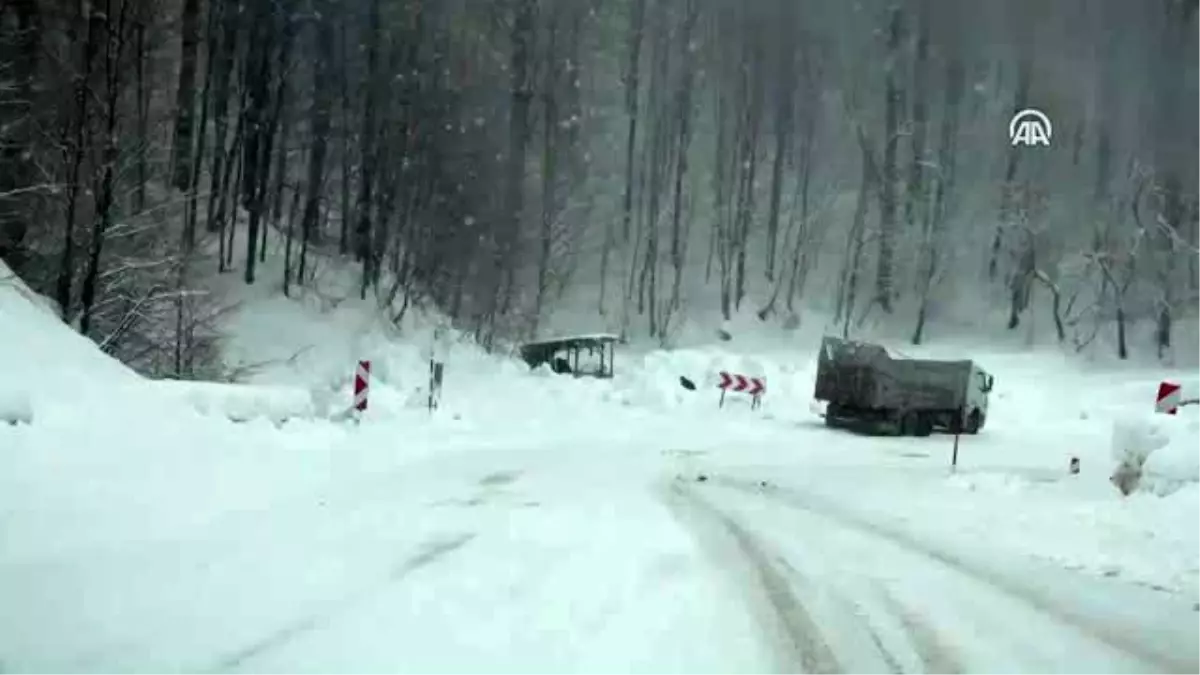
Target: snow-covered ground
{"points": [[541, 523]]}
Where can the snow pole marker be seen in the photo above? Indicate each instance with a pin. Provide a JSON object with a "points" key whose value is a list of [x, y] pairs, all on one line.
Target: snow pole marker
{"points": [[954, 457], [436, 370], [1169, 398], [361, 376]]}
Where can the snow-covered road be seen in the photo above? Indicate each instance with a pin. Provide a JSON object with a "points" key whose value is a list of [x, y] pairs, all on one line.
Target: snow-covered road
{"points": [[571, 559], [839, 593]]}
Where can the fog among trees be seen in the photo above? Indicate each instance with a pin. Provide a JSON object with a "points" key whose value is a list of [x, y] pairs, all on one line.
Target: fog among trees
{"points": [[638, 160]]}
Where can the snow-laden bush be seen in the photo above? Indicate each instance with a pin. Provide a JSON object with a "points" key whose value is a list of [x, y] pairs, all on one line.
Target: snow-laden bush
{"points": [[1154, 452]]}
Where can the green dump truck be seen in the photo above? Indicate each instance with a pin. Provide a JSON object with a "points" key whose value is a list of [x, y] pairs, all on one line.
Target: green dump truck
{"points": [[865, 387]]}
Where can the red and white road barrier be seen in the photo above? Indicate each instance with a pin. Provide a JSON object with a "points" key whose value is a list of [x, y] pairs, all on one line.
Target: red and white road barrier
{"points": [[1170, 397], [361, 376], [756, 387]]}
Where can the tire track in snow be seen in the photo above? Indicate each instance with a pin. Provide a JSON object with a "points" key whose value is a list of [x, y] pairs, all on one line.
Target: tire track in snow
{"points": [[935, 655], [430, 553], [1094, 628], [799, 644]]}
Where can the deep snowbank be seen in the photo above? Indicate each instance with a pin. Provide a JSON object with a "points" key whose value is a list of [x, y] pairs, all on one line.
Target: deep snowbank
{"points": [[42, 362], [1157, 453], [106, 456], [239, 402]]}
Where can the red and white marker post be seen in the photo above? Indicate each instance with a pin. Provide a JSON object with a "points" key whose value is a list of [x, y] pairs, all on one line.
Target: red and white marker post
{"points": [[1170, 397], [756, 387], [361, 376]]}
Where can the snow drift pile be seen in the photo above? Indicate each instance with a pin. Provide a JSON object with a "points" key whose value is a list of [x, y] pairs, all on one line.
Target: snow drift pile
{"points": [[1156, 453], [42, 361]]}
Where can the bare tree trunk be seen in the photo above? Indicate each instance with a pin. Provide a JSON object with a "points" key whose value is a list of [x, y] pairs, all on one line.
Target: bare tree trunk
{"points": [[884, 282], [1174, 119], [1009, 188], [784, 118], [113, 30], [748, 163], [550, 123], [363, 242], [323, 80], [347, 206], [684, 119], [255, 114], [936, 217], [222, 80], [18, 119], [142, 92], [223, 194], [716, 237], [636, 22], [848, 291], [185, 96], [191, 216], [522, 37], [800, 254], [78, 145]]}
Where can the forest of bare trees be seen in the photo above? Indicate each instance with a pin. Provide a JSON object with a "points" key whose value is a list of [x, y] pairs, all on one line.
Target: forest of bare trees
{"points": [[640, 159]]}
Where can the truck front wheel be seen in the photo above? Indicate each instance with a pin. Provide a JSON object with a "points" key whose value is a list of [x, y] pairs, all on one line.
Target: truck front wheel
{"points": [[833, 411], [974, 422]]}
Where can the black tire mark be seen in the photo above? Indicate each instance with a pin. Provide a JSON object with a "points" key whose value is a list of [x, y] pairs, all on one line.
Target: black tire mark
{"points": [[1109, 635], [935, 655], [806, 648], [499, 478], [430, 553]]}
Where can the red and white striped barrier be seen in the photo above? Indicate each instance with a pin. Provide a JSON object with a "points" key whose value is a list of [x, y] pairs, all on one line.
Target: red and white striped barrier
{"points": [[756, 387], [361, 375], [1170, 396]]}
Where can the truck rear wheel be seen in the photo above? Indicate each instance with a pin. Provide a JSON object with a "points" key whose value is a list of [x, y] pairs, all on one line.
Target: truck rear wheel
{"points": [[915, 423]]}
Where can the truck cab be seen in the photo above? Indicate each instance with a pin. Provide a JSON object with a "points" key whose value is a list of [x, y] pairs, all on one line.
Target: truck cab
{"points": [[975, 407]]}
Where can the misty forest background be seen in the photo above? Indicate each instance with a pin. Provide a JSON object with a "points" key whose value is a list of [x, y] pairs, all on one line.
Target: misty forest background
{"points": [[635, 161]]}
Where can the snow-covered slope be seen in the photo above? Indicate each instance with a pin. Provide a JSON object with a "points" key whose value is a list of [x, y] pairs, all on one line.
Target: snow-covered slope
{"points": [[42, 363], [531, 521]]}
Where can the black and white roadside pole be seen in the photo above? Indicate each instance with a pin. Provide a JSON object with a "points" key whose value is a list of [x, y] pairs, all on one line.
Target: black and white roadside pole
{"points": [[954, 455], [954, 458], [437, 364]]}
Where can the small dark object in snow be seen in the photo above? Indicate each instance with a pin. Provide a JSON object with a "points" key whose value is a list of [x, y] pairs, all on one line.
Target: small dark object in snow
{"points": [[762, 483], [686, 383], [701, 478], [724, 335]]}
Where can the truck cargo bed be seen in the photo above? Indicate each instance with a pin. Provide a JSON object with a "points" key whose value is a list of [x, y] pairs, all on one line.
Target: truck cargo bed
{"points": [[864, 376]]}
